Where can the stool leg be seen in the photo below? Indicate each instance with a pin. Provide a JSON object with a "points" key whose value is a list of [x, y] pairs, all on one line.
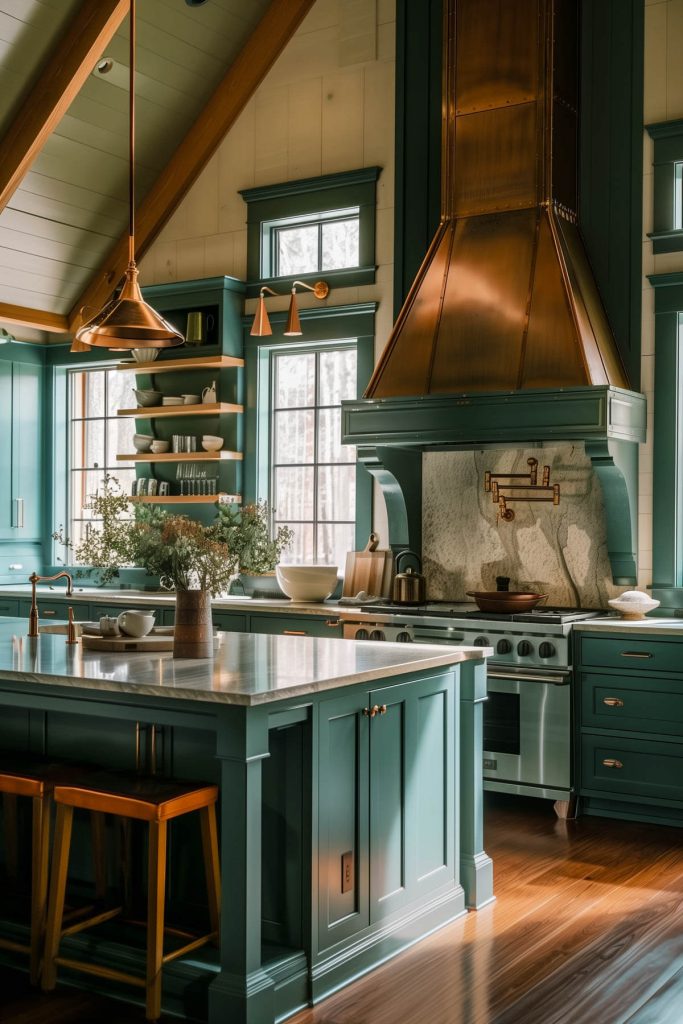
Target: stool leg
{"points": [[97, 831], [40, 846], [212, 866], [156, 882], [9, 808], [60, 865]]}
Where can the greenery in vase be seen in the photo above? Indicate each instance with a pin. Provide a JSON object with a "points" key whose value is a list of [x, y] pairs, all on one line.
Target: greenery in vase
{"points": [[246, 531], [184, 554]]}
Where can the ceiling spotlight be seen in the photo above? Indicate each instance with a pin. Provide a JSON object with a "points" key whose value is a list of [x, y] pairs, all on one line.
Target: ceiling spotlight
{"points": [[104, 66]]}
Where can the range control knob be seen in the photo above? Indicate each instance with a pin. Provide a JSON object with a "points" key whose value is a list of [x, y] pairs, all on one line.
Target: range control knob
{"points": [[524, 648], [547, 650], [361, 634], [377, 634], [503, 647], [481, 641], [404, 638]]}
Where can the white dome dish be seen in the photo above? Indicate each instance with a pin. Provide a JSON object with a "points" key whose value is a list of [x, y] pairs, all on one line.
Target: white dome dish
{"points": [[307, 583], [633, 605]]}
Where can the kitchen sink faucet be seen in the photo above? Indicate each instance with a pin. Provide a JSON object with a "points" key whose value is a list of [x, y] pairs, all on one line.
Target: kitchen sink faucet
{"points": [[35, 578]]}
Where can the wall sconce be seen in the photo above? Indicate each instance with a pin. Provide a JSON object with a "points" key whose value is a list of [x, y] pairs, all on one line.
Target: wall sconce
{"points": [[261, 325], [549, 492]]}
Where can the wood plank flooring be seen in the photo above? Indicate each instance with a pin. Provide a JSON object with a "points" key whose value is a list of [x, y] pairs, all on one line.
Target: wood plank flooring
{"points": [[587, 929]]}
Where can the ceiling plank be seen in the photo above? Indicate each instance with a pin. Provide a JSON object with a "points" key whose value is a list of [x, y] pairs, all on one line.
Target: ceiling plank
{"points": [[261, 50], [71, 61], [22, 316]]}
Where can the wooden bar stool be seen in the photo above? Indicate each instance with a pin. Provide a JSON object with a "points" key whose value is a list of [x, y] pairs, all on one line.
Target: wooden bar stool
{"points": [[156, 801]]}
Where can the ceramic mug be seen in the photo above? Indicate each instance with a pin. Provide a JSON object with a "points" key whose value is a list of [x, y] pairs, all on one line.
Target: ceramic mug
{"points": [[134, 623], [109, 625]]}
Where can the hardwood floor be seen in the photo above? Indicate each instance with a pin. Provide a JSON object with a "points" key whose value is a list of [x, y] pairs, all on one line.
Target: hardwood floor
{"points": [[587, 929]]}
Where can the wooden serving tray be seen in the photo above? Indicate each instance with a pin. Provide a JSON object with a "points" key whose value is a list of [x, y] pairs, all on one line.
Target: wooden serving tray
{"points": [[127, 644]]}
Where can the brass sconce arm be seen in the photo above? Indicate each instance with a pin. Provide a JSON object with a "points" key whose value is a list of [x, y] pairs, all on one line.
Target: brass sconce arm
{"points": [[261, 325]]}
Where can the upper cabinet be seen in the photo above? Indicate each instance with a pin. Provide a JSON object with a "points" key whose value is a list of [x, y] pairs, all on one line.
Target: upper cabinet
{"points": [[21, 452]]}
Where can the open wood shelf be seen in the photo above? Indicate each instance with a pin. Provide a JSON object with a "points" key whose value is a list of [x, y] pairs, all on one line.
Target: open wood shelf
{"points": [[199, 409], [173, 365], [188, 499], [220, 456]]}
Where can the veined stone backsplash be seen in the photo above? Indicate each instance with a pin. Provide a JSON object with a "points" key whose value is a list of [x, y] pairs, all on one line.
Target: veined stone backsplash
{"points": [[560, 551]]}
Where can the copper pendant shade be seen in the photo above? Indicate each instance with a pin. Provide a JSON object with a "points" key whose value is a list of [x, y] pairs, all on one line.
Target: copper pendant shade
{"points": [[293, 327], [127, 321]]}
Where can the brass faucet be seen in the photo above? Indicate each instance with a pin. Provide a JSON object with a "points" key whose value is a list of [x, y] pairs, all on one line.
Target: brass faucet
{"points": [[35, 578]]}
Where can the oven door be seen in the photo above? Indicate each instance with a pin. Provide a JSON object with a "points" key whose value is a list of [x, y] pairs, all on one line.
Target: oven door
{"points": [[527, 732]]}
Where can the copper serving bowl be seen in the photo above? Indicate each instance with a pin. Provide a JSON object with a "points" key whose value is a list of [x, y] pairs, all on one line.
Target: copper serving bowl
{"points": [[505, 601]]}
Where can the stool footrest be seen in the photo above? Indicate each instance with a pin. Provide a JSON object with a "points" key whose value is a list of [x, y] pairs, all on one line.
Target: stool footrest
{"points": [[202, 940], [100, 972], [14, 947], [90, 922]]}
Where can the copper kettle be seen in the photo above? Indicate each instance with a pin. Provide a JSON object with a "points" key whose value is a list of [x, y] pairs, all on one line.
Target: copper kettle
{"points": [[409, 586]]}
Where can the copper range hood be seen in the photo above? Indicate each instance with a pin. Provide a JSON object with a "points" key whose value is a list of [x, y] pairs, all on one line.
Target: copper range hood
{"points": [[503, 339], [505, 298]]}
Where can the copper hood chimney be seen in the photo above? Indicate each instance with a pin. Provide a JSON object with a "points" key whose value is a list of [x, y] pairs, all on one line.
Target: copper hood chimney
{"points": [[505, 299]]}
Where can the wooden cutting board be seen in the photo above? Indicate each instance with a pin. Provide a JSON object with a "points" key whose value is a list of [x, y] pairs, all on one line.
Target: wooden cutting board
{"points": [[127, 644], [369, 570]]}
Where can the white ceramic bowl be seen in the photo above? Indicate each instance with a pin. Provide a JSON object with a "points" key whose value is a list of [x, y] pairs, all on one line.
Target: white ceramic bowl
{"points": [[159, 447], [144, 355], [190, 399], [211, 443], [633, 604], [142, 442], [147, 398], [307, 582], [172, 400]]}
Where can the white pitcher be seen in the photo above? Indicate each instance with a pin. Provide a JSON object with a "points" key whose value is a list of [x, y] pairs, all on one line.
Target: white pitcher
{"points": [[209, 394]]}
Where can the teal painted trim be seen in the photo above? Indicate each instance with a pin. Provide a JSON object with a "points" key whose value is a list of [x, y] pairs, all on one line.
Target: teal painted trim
{"points": [[667, 523], [665, 129], [671, 600], [398, 471], [358, 319], [173, 288], [666, 241], [668, 151], [616, 466], [303, 186], [347, 278], [419, 32], [476, 867]]}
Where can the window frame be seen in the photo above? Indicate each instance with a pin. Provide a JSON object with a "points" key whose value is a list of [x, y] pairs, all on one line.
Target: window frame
{"points": [[309, 199], [667, 235], [271, 231], [325, 327]]}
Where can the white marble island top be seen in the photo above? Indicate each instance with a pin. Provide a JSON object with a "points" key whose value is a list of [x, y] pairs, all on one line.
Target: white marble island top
{"points": [[246, 669]]}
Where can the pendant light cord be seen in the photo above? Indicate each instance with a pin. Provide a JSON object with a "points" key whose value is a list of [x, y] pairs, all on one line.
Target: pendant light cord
{"points": [[131, 139]]}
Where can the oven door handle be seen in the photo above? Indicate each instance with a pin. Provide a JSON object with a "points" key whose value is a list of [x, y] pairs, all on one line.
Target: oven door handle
{"points": [[561, 679]]}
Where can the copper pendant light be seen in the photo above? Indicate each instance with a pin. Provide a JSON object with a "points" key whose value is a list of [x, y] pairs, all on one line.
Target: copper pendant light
{"points": [[127, 321]]}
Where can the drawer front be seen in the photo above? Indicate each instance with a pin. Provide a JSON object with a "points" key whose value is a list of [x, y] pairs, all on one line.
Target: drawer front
{"points": [[646, 705], [51, 609], [632, 768], [229, 622], [636, 655], [305, 626], [9, 606]]}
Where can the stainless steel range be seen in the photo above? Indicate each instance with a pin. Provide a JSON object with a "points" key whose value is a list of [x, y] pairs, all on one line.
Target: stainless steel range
{"points": [[527, 717]]}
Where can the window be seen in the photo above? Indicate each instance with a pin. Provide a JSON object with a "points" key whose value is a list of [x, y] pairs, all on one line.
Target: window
{"points": [[313, 476], [667, 233], [96, 436], [326, 242], [315, 226]]}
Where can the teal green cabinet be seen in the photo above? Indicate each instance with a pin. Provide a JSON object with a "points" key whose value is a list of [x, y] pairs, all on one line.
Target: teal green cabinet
{"points": [[229, 622], [21, 419], [629, 740], [304, 625], [387, 804]]}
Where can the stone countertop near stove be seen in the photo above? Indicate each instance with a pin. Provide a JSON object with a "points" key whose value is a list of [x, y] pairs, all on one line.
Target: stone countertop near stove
{"points": [[246, 669], [615, 624]]}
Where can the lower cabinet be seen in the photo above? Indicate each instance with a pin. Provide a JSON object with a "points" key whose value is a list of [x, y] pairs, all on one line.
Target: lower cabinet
{"points": [[304, 625], [386, 811]]}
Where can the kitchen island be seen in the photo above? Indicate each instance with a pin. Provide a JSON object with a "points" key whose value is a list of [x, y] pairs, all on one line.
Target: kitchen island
{"points": [[350, 795]]}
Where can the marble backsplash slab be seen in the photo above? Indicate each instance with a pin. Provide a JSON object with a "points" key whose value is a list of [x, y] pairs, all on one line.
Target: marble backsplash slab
{"points": [[561, 551]]}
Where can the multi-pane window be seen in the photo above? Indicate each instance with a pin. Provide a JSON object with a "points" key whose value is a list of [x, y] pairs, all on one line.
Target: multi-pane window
{"points": [[325, 242], [313, 476], [678, 196], [97, 436]]}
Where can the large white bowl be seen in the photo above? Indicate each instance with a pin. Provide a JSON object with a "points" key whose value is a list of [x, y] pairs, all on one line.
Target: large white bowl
{"points": [[307, 582], [633, 605]]}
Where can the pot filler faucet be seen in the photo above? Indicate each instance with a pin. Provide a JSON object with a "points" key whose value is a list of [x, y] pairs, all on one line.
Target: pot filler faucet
{"points": [[35, 578]]}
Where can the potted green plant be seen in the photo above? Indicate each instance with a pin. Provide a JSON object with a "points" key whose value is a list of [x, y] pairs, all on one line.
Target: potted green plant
{"points": [[246, 531], [187, 557]]}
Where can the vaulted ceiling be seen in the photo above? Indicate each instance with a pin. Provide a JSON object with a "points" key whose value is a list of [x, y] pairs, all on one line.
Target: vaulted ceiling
{"points": [[63, 123]]}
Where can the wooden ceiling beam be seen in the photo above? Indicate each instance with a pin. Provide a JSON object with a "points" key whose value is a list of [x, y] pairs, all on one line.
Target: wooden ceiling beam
{"points": [[39, 319], [69, 64], [263, 47]]}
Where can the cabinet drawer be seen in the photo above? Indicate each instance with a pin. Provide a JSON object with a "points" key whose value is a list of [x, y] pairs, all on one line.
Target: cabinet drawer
{"points": [[636, 655], [9, 606], [644, 705], [635, 768], [305, 626], [229, 622], [50, 609]]}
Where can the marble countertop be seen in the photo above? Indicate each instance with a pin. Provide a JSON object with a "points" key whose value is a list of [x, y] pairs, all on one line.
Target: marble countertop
{"points": [[615, 624], [246, 669]]}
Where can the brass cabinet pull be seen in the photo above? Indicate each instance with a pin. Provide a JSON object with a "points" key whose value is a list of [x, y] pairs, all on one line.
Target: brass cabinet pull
{"points": [[376, 709], [294, 632], [613, 702], [49, 611], [332, 623], [612, 762], [382, 709], [635, 654]]}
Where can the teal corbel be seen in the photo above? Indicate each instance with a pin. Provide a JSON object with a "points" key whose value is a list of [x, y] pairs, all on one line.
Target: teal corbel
{"points": [[616, 465], [398, 471]]}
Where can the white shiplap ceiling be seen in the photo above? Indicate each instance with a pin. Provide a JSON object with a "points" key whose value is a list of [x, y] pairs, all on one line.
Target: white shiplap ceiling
{"points": [[72, 205]]}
